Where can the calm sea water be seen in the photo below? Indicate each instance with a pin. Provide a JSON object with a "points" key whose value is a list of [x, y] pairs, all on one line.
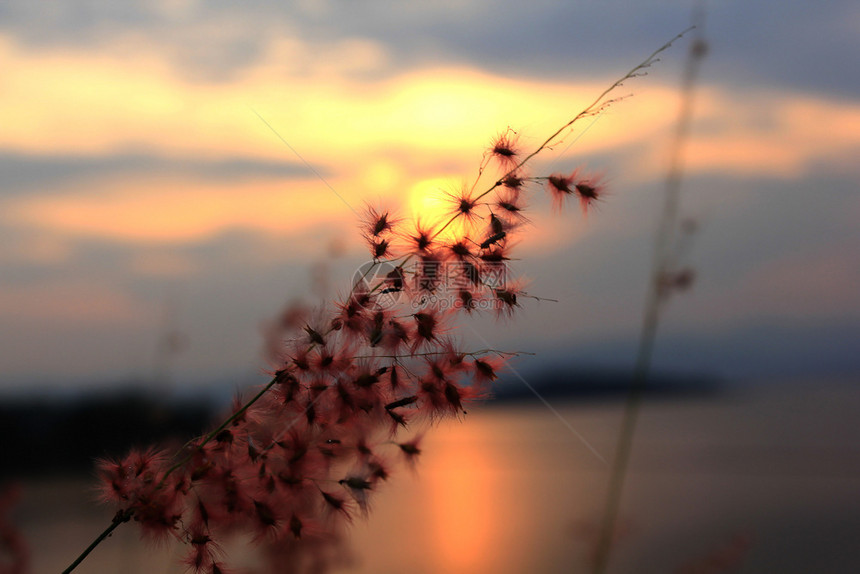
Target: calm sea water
{"points": [[761, 481]]}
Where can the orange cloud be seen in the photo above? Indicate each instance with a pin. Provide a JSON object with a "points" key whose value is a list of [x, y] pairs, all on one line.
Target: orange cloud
{"points": [[175, 209], [129, 97], [86, 102], [780, 135]]}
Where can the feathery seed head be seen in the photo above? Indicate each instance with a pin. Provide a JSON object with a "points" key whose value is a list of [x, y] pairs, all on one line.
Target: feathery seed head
{"points": [[504, 149]]}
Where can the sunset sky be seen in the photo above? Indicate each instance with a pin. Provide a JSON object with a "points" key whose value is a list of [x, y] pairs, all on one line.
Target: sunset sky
{"points": [[190, 167]]}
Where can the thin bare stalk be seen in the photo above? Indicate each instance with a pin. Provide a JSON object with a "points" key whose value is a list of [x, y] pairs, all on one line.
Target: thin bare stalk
{"points": [[121, 517], [653, 305]]}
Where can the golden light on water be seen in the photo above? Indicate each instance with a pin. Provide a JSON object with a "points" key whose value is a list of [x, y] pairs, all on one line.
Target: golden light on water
{"points": [[464, 509]]}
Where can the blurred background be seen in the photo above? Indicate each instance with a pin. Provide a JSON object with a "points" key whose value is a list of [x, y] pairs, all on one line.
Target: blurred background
{"points": [[174, 173]]}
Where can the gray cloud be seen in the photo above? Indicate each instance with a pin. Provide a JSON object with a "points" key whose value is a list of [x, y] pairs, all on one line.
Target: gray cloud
{"points": [[782, 43], [20, 173]]}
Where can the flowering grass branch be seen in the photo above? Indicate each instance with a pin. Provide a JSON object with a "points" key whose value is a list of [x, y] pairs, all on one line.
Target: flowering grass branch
{"points": [[302, 457]]}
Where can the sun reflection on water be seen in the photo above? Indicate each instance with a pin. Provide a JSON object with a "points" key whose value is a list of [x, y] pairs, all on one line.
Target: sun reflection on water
{"points": [[463, 509]]}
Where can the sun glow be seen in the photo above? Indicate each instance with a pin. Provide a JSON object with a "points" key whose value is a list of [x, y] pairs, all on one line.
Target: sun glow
{"points": [[428, 201], [434, 201]]}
